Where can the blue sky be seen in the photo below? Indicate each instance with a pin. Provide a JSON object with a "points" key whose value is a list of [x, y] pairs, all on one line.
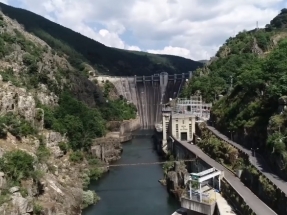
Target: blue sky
{"points": [[190, 28]]}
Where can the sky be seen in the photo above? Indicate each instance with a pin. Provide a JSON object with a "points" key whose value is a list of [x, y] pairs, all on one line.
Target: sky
{"points": [[192, 29]]}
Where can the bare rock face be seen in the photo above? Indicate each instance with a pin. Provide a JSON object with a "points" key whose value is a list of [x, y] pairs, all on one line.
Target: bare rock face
{"points": [[46, 97], [1, 152], [14, 189], [256, 49], [107, 148], [59, 198], [282, 102], [3, 181], [177, 178], [21, 206], [17, 100], [52, 142]]}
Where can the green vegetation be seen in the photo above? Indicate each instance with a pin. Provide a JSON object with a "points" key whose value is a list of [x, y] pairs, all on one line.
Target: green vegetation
{"points": [[234, 160], [77, 120], [256, 60], [81, 123], [89, 198], [219, 151], [105, 60], [168, 165], [16, 126], [37, 209], [81, 114], [252, 108], [279, 21], [17, 165]]}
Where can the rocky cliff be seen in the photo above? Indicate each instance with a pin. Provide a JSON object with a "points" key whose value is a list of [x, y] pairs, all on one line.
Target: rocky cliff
{"points": [[50, 115], [176, 179]]}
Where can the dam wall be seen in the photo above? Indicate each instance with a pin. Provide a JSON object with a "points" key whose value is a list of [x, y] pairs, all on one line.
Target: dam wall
{"points": [[148, 93]]}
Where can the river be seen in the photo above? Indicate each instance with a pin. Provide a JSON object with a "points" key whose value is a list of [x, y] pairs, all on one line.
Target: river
{"points": [[133, 190]]}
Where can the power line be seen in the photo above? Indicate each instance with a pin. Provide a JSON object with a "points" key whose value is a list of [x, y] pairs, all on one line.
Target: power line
{"points": [[151, 163]]}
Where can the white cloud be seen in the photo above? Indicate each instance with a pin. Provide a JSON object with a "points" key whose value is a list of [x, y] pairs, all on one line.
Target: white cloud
{"points": [[133, 48], [173, 50], [192, 29]]}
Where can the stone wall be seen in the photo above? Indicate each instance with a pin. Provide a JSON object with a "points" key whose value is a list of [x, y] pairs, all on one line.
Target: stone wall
{"points": [[107, 148], [127, 127], [124, 129]]}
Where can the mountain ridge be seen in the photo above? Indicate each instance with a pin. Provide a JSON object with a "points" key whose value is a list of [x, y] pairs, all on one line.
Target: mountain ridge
{"points": [[103, 59]]}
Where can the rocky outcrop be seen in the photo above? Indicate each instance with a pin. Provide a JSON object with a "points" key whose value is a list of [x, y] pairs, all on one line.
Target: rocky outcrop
{"points": [[46, 97], [22, 103], [107, 148], [3, 181], [176, 179], [17, 100], [128, 126], [282, 104], [124, 129], [20, 205], [52, 140]]}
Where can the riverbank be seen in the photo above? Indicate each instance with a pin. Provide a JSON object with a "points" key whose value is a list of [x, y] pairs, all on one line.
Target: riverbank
{"points": [[133, 189]]}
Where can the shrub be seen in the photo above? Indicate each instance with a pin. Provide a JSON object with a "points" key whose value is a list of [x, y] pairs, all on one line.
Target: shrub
{"points": [[64, 147], [76, 156], [16, 126], [17, 165], [43, 153], [37, 209], [89, 198]]}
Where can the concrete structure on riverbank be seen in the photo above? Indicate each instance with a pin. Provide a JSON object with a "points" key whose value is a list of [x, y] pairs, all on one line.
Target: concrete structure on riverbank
{"points": [[178, 124], [179, 116], [201, 197]]}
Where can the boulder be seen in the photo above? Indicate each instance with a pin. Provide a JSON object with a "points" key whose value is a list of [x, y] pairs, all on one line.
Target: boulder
{"points": [[3, 181], [282, 100], [52, 141], [14, 189], [22, 205]]}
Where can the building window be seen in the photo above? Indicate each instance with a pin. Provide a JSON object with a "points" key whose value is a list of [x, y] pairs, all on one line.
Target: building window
{"points": [[183, 121]]}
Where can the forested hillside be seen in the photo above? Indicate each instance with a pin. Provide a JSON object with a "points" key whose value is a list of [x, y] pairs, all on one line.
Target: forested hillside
{"points": [[50, 116], [253, 107], [104, 60]]}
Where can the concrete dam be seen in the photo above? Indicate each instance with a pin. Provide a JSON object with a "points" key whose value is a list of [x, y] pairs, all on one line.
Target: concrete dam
{"points": [[147, 93]]}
